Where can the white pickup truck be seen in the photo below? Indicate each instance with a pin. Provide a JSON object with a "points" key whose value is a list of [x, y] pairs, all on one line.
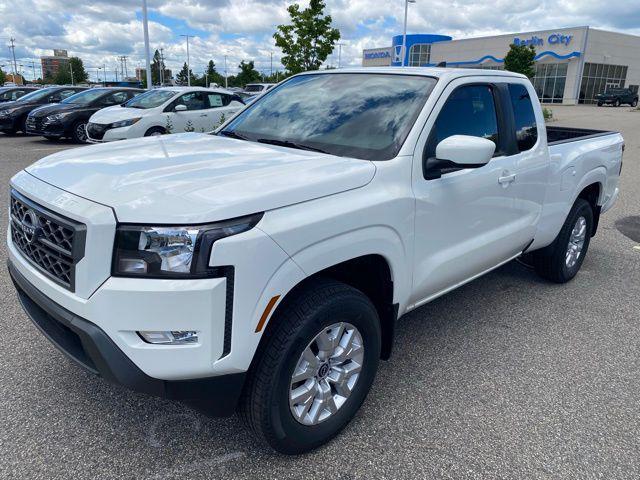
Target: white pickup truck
{"points": [[262, 268]]}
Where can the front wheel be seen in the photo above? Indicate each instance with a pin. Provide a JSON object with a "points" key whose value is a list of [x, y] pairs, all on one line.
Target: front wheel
{"points": [[315, 369], [155, 132], [79, 132], [560, 261], [616, 103], [634, 102]]}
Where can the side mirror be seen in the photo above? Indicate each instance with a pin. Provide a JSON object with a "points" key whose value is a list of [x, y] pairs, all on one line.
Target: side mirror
{"points": [[459, 151], [180, 108], [466, 151]]}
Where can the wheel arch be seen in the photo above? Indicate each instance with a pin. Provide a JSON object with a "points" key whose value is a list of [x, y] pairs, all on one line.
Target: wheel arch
{"points": [[592, 193], [371, 274]]}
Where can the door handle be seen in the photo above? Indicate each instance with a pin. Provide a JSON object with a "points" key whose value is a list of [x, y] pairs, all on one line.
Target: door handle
{"points": [[506, 179], [203, 114]]}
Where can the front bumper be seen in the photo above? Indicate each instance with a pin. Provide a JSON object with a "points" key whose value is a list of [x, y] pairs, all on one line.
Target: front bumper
{"points": [[45, 129], [90, 347], [7, 124]]}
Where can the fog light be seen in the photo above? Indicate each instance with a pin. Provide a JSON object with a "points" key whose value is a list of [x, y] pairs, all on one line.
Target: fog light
{"points": [[182, 337]]}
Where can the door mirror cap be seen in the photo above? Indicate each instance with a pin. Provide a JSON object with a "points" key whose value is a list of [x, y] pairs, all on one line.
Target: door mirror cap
{"points": [[466, 151], [180, 108]]}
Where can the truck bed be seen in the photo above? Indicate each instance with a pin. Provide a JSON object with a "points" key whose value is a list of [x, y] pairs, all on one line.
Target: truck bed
{"points": [[556, 135]]}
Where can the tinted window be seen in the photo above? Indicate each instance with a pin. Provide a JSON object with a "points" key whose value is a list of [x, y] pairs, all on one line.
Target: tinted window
{"points": [[470, 110], [85, 97], [361, 115], [525, 119], [193, 101], [115, 98]]}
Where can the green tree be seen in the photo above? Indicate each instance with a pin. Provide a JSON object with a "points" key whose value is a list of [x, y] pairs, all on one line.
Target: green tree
{"points": [[63, 76], [157, 66], [248, 74], [308, 40], [184, 74], [520, 59], [213, 75], [3, 77]]}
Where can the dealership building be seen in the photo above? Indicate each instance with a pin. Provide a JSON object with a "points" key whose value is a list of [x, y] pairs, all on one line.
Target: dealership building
{"points": [[572, 65]]}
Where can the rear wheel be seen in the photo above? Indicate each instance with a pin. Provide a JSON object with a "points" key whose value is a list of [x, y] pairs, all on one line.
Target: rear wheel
{"points": [[79, 132], [561, 261], [155, 132], [617, 102], [634, 102], [316, 368], [599, 104]]}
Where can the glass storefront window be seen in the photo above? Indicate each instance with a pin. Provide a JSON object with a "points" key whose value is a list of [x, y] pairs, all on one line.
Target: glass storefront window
{"points": [[419, 54], [597, 77], [549, 81]]}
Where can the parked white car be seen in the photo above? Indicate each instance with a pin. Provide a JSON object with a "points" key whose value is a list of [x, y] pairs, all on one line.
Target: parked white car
{"points": [[263, 267], [162, 111]]}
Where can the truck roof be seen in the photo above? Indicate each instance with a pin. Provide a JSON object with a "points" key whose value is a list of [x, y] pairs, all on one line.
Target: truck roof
{"points": [[425, 71]]}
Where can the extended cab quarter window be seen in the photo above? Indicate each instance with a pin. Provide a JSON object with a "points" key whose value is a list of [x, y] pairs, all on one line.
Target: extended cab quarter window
{"points": [[470, 110], [524, 118]]}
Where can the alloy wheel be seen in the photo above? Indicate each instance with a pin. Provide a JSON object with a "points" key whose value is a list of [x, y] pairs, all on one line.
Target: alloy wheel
{"points": [[576, 242], [326, 373]]}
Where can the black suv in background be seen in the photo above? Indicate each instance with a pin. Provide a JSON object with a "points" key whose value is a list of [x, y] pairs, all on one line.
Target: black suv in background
{"points": [[13, 115], [617, 96], [11, 94], [69, 118]]}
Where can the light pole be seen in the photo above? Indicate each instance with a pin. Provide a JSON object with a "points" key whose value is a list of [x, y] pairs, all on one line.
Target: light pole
{"points": [[71, 69], [226, 83], [145, 23], [340, 53], [404, 35], [188, 63], [271, 65]]}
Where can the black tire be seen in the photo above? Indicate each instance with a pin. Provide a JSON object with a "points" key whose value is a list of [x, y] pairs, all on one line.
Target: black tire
{"points": [[634, 102], [616, 103], [22, 125], [599, 104], [78, 135], [155, 131], [265, 403], [550, 262]]}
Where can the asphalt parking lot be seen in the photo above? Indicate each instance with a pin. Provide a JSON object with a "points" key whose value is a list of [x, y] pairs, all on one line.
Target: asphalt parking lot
{"points": [[507, 377]]}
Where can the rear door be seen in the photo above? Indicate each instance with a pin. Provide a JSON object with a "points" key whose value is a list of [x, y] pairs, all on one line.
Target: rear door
{"points": [[221, 108], [531, 161], [466, 222]]}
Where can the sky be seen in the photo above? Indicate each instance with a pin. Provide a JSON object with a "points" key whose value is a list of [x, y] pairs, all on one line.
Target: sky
{"points": [[99, 31]]}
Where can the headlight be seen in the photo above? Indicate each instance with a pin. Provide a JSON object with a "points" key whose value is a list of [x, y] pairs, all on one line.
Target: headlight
{"points": [[125, 123], [172, 252], [8, 112], [58, 116]]}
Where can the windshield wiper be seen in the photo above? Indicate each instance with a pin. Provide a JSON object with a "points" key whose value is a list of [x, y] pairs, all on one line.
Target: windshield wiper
{"points": [[290, 144], [232, 134]]}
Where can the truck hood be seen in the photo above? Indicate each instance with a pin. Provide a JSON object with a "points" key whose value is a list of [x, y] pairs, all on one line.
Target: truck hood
{"points": [[197, 178]]}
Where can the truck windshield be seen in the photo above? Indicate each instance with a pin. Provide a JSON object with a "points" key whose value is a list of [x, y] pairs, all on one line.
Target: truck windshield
{"points": [[359, 115]]}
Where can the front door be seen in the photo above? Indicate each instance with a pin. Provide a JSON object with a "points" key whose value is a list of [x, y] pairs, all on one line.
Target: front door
{"points": [[194, 117], [466, 221]]}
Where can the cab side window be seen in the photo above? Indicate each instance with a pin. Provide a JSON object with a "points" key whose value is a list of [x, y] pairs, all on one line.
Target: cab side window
{"points": [[193, 101], [469, 110], [524, 117]]}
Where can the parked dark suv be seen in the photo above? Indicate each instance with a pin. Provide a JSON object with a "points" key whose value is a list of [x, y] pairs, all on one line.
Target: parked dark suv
{"points": [[69, 118], [617, 96], [13, 115], [11, 94]]}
